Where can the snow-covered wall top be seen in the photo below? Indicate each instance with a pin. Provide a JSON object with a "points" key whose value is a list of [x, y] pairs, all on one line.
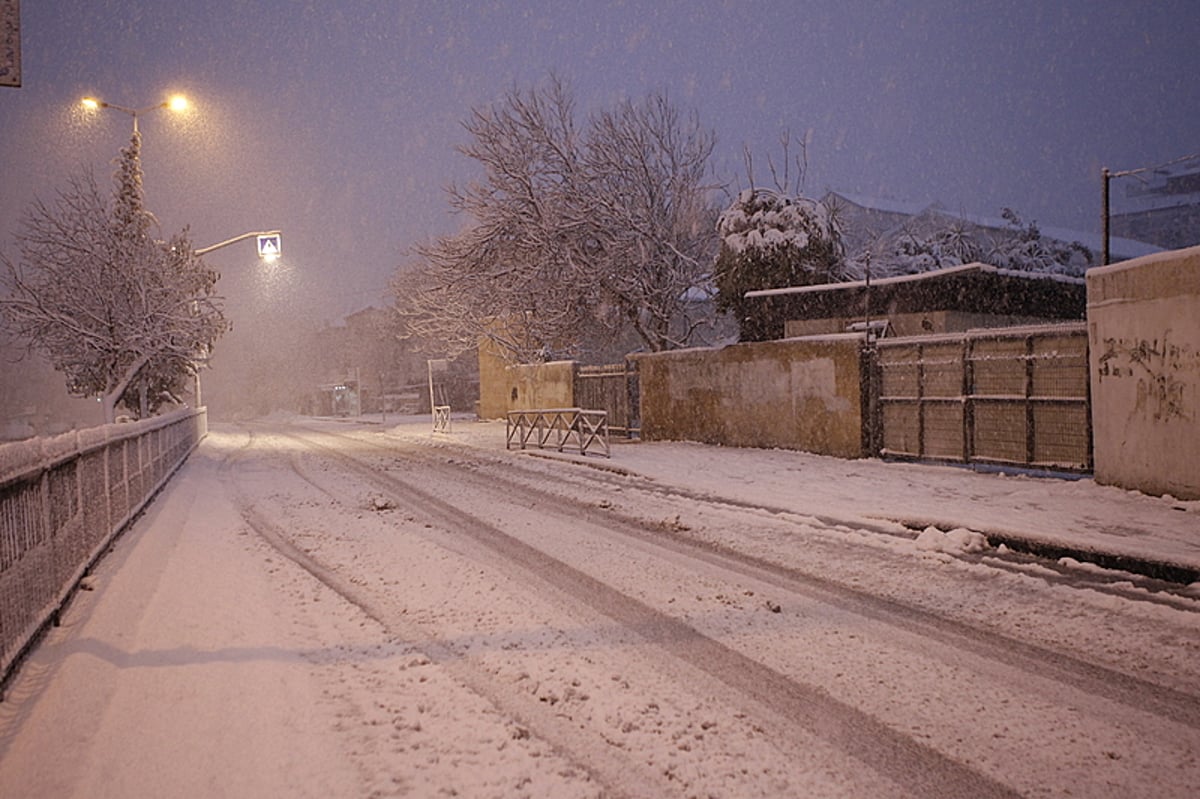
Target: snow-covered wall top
{"points": [[21, 459]]}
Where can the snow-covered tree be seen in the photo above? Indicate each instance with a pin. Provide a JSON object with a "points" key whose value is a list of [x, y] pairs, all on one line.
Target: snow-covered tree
{"points": [[916, 248], [653, 220], [577, 235], [768, 240], [123, 315], [1026, 250]]}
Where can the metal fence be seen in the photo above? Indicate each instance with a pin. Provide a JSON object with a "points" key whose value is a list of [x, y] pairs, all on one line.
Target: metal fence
{"points": [[612, 388], [63, 500], [1015, 396]]}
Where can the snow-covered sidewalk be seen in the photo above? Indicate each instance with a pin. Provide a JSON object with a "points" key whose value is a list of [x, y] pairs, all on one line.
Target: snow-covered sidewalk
{"points": [[175, 628], [1074, 516]]}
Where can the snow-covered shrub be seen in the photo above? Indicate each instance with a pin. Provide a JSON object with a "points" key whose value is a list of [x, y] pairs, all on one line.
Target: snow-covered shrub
{"points": [[771, 240]]}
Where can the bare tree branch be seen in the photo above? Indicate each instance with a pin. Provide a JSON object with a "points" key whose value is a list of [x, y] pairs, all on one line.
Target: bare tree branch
{"points": [[579, 234]]}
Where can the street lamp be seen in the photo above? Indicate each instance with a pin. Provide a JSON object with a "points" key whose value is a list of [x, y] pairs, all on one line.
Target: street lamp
{"points": [[175, 103], [269, 244]]}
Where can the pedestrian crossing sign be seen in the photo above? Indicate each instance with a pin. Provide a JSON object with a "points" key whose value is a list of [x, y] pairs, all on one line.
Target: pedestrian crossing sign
{"points": [[270, 246]]}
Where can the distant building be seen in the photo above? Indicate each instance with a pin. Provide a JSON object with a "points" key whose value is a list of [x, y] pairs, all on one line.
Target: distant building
{"points": [[1161, 207], [927, 295], [365, 368]]}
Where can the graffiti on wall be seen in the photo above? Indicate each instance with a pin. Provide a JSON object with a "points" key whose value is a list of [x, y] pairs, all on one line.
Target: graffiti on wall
{"points": [[1165, 390]]}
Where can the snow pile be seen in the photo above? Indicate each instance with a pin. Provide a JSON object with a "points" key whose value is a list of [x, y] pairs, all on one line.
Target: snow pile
{"points": [[959, 541]]}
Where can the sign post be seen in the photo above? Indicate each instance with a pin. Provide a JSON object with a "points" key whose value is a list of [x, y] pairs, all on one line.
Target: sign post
{"points": [[10, 43]]}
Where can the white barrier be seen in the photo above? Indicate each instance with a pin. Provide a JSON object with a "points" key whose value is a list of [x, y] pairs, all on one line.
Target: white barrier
{"points": [[558, 428]]}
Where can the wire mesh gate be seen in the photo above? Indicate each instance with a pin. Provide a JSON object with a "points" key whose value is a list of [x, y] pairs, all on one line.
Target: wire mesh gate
{"points": [[1017, 396]]}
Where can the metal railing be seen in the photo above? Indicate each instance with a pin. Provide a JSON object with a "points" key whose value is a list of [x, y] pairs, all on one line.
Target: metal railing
{"points": [[62, 502]]}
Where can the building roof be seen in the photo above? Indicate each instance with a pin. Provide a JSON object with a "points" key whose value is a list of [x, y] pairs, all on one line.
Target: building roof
{"points": [[972, 288]]}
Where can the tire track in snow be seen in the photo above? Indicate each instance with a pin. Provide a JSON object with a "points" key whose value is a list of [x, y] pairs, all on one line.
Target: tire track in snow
{"points": [[618, 776], [918, 768], [1058, 669]]}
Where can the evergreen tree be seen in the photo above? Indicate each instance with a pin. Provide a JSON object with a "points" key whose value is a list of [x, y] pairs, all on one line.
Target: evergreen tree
{"points": [[123, 315], [770, 240]]}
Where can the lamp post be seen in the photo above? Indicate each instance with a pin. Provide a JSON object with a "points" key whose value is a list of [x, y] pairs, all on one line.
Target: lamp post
{"points": [[175, 103], [269, 248]]}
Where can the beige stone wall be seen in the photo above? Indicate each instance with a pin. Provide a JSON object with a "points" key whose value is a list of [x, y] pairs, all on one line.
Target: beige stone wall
{"points": [[493, 381], [505, 387], [1144, 340], [794, 394], [541, 385]]}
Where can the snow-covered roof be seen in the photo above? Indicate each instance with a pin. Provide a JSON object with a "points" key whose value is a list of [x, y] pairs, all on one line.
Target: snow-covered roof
{"points": [[1167, 186], [1156, 202], [1119, 247], [914, 278]]}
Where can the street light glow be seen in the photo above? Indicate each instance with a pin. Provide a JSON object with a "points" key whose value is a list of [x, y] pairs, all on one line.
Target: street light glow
{"points": [[176, 102]]}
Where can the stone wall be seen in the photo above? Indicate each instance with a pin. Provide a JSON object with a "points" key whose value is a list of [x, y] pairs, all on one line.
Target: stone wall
{"points": [[794, 394], [493, 381], [536, 386], [1144, 340]]}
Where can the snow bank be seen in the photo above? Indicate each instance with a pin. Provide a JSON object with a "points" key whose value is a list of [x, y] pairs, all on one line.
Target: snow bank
{"points": [[958, 541]]}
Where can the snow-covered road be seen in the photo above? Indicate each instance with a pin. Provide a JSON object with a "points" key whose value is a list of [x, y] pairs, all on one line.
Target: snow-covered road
{"points": [[319, 610]]}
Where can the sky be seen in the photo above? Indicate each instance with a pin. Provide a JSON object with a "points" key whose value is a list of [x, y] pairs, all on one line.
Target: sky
{"points": [[337, 123]]}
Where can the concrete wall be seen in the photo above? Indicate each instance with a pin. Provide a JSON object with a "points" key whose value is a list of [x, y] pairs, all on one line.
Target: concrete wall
{"points": [[494, 386], [1144, 339], [540, 385], [795, 394]]}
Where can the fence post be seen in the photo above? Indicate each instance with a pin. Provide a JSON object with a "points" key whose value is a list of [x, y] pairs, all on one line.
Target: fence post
{"points": [[968, 393], [1030, 432]]}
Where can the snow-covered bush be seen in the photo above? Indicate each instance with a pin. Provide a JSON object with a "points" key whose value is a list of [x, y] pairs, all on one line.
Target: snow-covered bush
{"points": [[1026, 250], [771, 240]]}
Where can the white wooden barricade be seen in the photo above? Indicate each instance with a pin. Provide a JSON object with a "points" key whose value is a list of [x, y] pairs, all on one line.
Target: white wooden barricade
{"points": [[558, 428]]}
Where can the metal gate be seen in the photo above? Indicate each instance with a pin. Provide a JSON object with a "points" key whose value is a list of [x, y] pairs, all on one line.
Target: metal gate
{"points": [[613, 388], [1012, 396]]}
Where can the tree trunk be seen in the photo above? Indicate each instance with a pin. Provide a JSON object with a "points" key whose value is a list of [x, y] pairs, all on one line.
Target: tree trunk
{"points": [[113, 395]]}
